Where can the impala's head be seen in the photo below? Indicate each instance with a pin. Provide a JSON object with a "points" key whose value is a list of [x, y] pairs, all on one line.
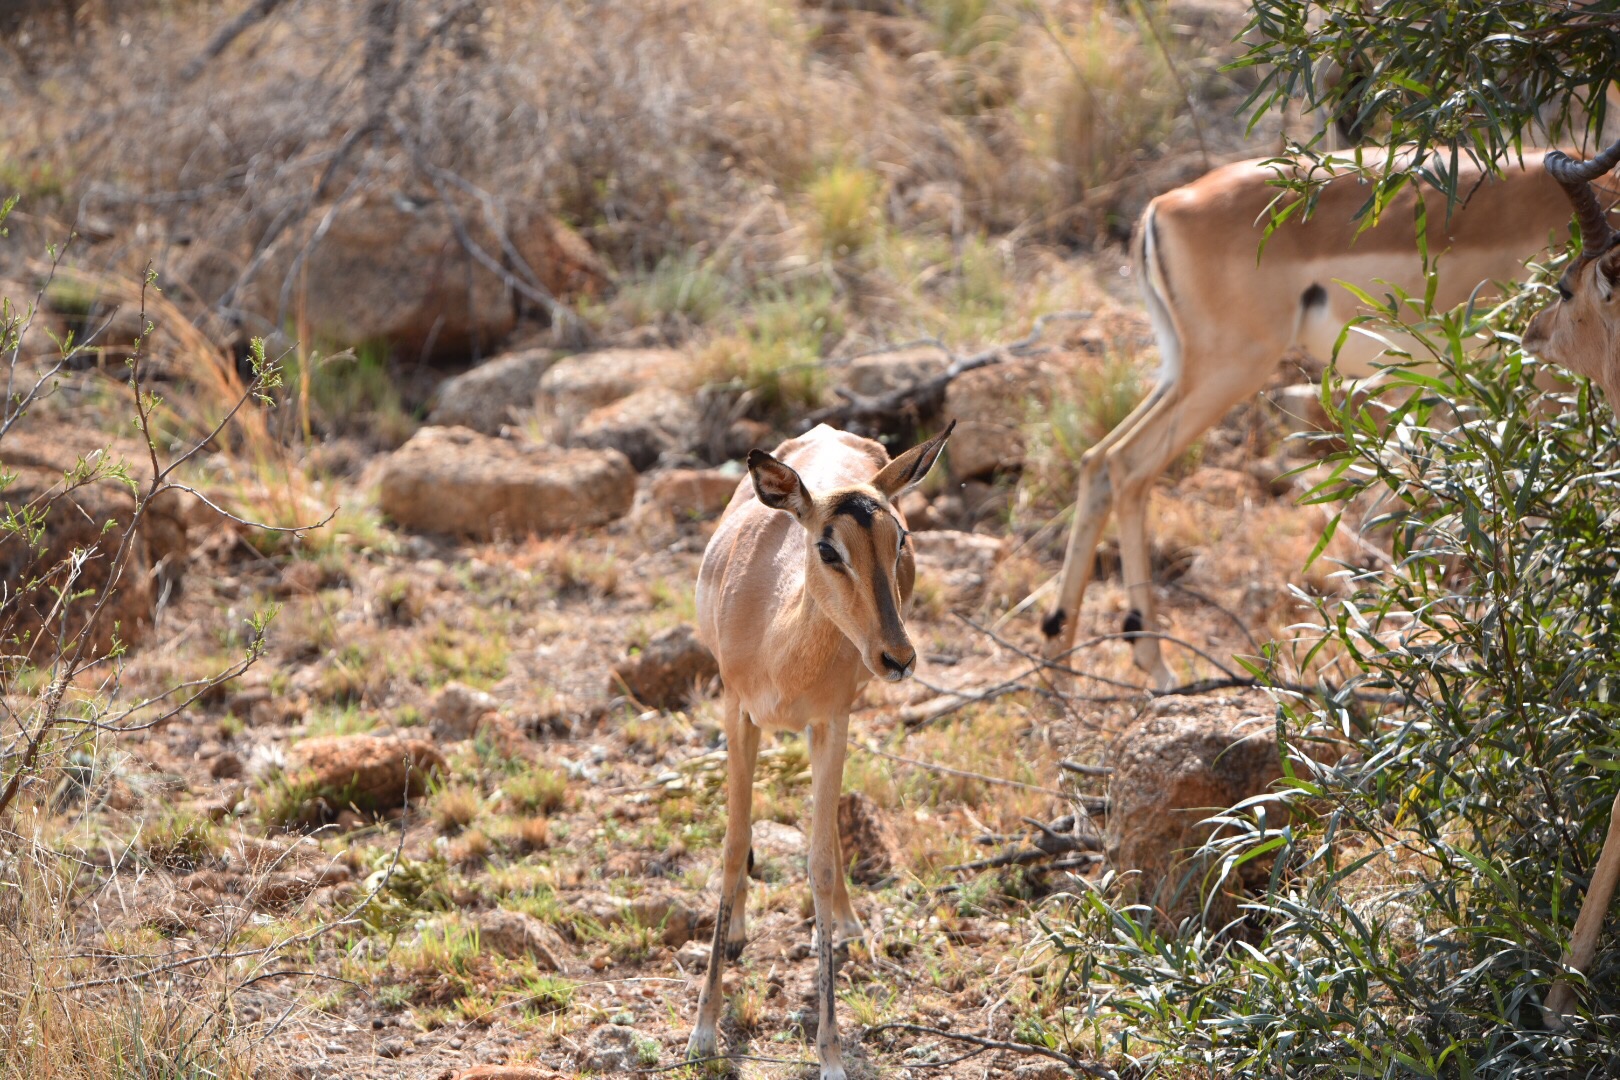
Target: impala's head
{"points": [[1582, 330], [858, 560]]}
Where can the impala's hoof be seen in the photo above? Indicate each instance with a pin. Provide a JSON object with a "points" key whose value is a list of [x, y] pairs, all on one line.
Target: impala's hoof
{"points": [[734, 949], [702, 1044]]}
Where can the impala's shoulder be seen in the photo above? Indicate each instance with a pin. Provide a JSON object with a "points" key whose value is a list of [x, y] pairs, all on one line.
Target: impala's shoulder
{"points": [[821, 440]]}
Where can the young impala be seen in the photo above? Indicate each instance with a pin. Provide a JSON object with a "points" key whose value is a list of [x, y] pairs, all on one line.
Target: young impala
{"points": [[1224, 312], [800, 598]]}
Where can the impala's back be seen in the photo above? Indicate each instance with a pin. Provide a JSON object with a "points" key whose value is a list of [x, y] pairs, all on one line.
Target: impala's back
{"points": [[1198, 264]]}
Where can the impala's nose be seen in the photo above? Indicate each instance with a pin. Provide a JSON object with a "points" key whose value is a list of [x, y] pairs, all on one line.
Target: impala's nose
{"points": [[899, 669]]}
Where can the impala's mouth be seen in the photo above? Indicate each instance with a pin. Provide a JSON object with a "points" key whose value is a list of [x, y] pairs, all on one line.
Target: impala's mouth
{"points": [[895, 670]]}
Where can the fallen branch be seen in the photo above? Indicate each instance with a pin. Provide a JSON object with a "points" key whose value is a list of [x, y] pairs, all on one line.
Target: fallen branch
{"points": [[1072, 1062], [928, 395]]}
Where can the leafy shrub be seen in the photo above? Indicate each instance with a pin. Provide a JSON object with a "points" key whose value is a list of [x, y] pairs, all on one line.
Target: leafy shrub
{"points": [[1425, 880]]}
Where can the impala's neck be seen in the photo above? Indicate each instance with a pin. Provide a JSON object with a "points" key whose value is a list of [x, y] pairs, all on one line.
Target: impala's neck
{"points": [[811, 652]]}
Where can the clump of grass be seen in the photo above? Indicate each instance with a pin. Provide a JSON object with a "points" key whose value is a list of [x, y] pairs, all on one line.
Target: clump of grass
{"points": [[776, 354], [1115, 97], [181, 840], [454, 808], [544, 994], [348, 390], [683, 290], [572, 572], [536, 790], [846, 208], [1057, 433], [472, 848]]}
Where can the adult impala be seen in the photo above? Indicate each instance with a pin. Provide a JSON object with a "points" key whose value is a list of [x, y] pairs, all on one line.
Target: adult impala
{"points": [[800, 598], [1224, 312], [1582, 333]]}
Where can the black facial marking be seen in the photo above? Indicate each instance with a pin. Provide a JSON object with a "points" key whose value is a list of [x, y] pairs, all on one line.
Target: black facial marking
{"points": [[863, 508], [1315, 296], [1052, 625], [1133, 622]]}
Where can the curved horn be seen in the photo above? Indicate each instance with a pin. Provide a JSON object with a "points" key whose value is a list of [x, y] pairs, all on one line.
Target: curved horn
{"points": [[1576, 177]]}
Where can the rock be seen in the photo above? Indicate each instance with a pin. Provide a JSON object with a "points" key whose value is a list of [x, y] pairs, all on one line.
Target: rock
{"points": [[694, 955], [369, 772], [454, 480], [392, 1048], [1194, 758], [575, 386], [389, 268], [668, 669], [667, 911], [990, 405], [612, 1049], [492, 394], [884, 373], [1041, 1070], [867, 840], [516, 935], [456, 709], [690, 494], [503, 1072], [643, 426], [225, 766], [91, 518]]}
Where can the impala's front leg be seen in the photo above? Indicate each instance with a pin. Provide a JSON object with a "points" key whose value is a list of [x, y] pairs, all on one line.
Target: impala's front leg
{"points": [[742, 749], [1589, 923], [827, 744]]}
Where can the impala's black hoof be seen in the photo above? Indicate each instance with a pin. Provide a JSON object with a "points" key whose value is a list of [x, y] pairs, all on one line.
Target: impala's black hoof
{"points": [[1052, 625], [1133, 622], [734, 949]]}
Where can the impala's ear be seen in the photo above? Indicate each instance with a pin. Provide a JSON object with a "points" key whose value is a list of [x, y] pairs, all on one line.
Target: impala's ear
{"points": [[907, 470], [777, 485], [1608, 265]]}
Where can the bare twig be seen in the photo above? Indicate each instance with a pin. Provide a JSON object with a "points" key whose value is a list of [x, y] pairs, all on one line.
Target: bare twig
{"points": [[254, 14]]}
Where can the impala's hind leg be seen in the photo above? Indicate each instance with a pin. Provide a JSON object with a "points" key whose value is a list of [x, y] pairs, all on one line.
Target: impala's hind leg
{"points": [[1091, 505], [742, 749], [1138, 459], [1589, 923]]}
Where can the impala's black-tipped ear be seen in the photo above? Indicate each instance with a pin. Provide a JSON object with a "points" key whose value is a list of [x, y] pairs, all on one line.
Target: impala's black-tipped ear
{"points": [[907, 470], [777, 485]]}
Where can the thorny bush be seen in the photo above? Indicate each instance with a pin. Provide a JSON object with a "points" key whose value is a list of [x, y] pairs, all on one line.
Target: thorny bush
{"points": [[1445, 799]]}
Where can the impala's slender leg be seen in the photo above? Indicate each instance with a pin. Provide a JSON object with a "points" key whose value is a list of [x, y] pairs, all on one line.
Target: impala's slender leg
{"points": [[1589, 924], [827, 745], [844, 918], [1138, 459], [742, 750], [1091, 505]]}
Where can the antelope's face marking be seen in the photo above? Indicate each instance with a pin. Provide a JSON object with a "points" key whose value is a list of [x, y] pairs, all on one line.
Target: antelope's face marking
{"points": [[858, 559], [1581, 330], [860, 573]]}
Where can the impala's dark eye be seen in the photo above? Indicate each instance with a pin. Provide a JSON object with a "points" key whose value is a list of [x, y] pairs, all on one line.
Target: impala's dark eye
{"points": [[1564, 294], [828, 553]]}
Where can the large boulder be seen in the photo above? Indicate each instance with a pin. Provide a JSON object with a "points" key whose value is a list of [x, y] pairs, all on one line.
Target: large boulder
{"points": [[642, 426], [689, 494], [578, 385], [390, 268], [368, 772], [453, 480], [493, 394], [1191, 760], [990, 405]]}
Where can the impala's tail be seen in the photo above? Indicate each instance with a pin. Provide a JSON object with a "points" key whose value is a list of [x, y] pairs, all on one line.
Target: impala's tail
{"points": [[1150, 279]]}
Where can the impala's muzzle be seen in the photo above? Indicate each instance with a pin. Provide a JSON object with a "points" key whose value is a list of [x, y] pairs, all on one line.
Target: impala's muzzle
{"points": [[899, 669]]}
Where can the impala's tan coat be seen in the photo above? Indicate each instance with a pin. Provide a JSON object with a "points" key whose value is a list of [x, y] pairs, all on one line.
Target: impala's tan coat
{"points": [[1224, 313], [800, 598]]}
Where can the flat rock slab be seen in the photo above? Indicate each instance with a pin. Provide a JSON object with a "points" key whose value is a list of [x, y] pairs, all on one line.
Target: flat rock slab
{"points": [[371, 772], [456, 481]]}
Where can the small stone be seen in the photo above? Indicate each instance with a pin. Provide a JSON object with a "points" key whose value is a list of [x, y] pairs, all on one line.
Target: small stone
{"points": [[392, 1048], [611, 1049], [225, 766], [455, 710], [668, 669], [800, 951], [693, 956]]}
